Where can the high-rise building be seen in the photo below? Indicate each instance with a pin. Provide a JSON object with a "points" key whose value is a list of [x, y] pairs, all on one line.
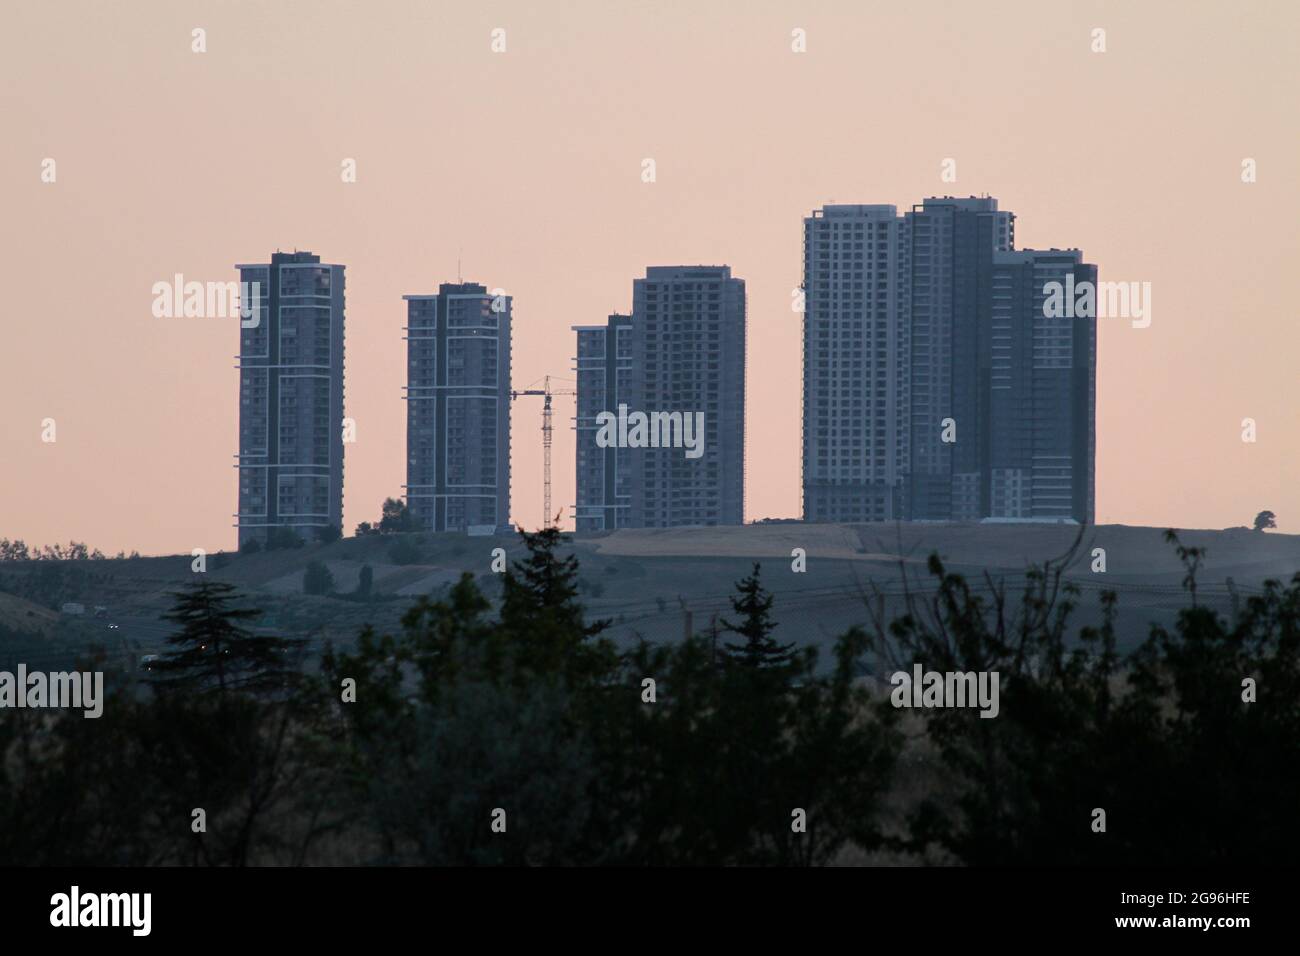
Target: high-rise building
{"points": [[602, 368], [688, 366], [1039, 459], [458, 407], [935, 387], [856, 341], [953, 241], [291, 397]]}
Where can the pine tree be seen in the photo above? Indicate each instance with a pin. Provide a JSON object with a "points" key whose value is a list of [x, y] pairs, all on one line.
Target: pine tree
{"points": [[759, 651], [540, 610], [213, 651]]}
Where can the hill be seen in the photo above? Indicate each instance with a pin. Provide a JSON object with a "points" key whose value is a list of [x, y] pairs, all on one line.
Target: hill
{"points": [[646, 581]]}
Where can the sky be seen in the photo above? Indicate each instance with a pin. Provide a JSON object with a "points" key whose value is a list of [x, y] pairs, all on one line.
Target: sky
{"points": [[525, 167]]}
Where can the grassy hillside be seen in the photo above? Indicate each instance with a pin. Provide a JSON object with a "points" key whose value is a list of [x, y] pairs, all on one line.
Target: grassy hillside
{"points": [[645, 581]]}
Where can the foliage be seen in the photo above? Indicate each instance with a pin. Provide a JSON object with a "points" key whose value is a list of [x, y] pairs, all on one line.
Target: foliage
{"points": [[317, 579], [395, 517], [283, 538], [213, 651], [405, 551], [401, 747]]}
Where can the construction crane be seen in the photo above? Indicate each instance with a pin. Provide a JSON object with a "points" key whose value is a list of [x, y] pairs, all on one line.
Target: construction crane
{"points": [[546, 392]]}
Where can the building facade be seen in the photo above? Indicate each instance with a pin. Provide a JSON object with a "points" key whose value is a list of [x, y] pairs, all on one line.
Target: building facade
{"points": [[1041, 393], [290, 458], [602, 368], [856, 341], [688, 364], [935, 387], [458, 407], [953, 241]]}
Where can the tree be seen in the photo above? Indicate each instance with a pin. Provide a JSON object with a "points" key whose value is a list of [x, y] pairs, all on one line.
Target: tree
{"points": [[759, 651], [363, 529], [13, 550], [282, 538], [541, 613], [754, 746], [396, 518], [404, 551], [317, 579], [328, 534], [213, 651], [503, 713], [1265, 519], [365, 581]]}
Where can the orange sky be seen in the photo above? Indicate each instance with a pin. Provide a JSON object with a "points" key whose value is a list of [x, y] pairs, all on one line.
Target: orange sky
{"points": [[527, 165]]}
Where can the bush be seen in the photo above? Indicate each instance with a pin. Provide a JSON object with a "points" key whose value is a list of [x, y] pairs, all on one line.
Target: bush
{"points": [[283, 538], [317, 579], [405, 551]]}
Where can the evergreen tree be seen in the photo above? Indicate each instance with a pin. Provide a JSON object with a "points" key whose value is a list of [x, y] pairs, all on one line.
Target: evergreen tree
{"points": [[317, 579], [759, 651], [213, 651], [541, 613]]}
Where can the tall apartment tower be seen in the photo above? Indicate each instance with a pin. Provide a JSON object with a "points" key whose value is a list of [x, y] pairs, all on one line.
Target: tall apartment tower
{"points": [[1039, 374], [953, 241], [688, 355], [603, 367], [458, 407], [856, 344], [291, 398]]}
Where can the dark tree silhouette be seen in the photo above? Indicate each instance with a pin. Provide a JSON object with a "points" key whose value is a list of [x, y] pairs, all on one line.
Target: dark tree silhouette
{"points": [[282, 538], [759, 651], [213, 651], [1265, 519], [365, 581], [396, 517], [317, 579]]}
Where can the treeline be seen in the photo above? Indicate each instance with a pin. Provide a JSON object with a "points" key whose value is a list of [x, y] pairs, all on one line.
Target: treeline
{"points": [[520, 735], [18, 550]]}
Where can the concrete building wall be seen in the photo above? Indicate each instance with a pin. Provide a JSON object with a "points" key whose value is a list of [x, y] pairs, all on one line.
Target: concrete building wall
{"points": [[602, 367], [1042, 392], [290, 460], [856, 344], [952, 245], [688, 356], [458, 407], [928, 327]]}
